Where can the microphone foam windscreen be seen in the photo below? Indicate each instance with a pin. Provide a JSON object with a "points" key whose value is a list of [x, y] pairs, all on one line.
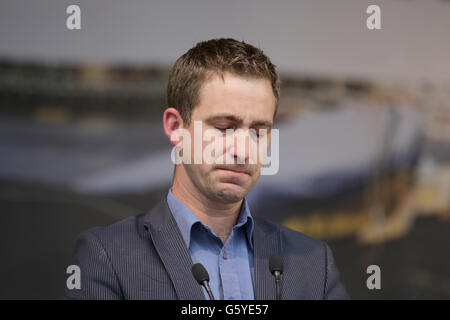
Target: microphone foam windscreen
{"points": [[200, 273], [275, 263]]}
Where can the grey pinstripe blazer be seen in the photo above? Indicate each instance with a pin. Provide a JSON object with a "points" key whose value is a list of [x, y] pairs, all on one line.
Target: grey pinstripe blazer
{"points": [[145, 257]]}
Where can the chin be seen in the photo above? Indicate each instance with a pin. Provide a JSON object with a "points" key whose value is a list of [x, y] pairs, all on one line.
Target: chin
{"points": [[231, 194]]}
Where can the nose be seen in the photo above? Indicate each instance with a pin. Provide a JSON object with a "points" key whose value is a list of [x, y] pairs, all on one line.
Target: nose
{"points": [[240, 146]]}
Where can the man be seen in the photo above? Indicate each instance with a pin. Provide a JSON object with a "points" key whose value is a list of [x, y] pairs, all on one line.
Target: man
{"points": [[231, 88]]}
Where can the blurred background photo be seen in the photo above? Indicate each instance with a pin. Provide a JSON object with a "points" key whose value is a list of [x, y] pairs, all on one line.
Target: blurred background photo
{"points": [[364, 123]]}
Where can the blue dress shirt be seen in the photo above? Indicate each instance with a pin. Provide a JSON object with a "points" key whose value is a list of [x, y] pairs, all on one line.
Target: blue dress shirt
{"points": [[230, 265]]}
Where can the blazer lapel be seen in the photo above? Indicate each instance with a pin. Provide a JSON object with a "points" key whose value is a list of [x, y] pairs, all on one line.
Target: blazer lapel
{"points": [[172, 249], [266, 243]]}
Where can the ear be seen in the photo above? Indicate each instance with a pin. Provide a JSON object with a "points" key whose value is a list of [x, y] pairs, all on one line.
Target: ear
{"points": [[172, 121]]}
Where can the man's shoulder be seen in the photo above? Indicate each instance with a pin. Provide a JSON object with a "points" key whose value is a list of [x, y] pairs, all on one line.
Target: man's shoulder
{"points": [[131, 226], [117, 233], [291, 239]]}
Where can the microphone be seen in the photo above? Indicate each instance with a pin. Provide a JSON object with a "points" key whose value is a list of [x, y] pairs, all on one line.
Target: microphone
{"points": [[276, 268], [202, 277]]}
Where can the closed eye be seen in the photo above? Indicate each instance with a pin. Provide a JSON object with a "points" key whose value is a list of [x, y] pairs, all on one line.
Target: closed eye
{"points": [[260, 132], [223, 129]]}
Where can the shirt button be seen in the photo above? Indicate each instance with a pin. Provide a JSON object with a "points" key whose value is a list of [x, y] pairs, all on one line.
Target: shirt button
{"points": [[225, 256]]}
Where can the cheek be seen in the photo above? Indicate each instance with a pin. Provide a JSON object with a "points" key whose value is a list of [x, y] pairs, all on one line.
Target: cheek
{"points": [[216, 147], [263, 150], [200, 174]]}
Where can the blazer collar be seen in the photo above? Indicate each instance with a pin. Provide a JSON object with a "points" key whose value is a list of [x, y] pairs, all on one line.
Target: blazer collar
{"points": [[172, 250], [267, 241]]}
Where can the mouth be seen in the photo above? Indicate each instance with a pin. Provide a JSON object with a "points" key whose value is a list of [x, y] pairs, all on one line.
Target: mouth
{"points": [[233, 171]]}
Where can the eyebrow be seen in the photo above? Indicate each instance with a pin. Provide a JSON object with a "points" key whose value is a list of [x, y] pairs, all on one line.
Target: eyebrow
{"points": [[233, 118]]}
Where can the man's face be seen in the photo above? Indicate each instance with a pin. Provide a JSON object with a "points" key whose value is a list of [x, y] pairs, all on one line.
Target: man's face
{"points": [[234, 102]]}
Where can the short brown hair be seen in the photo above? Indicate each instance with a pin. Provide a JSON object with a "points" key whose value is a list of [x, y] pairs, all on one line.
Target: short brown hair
{"points": [[215, 56]]}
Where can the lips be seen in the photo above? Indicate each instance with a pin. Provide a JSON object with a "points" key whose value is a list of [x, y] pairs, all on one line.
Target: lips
{"points": [[235, 170]]}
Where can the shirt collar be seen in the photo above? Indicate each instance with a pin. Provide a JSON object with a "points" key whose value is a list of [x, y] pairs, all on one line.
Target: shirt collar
{"points": [[186, 219]]}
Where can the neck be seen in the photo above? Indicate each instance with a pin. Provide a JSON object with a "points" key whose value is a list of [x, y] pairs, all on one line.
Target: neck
{"points": [[219, 217]]}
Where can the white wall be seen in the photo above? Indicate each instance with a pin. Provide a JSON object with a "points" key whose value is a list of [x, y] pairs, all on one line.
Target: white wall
{"points": [[314, 36]]}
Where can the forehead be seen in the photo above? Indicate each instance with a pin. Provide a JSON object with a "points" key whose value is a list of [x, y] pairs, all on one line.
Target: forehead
{"points": [[246, 98]]}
